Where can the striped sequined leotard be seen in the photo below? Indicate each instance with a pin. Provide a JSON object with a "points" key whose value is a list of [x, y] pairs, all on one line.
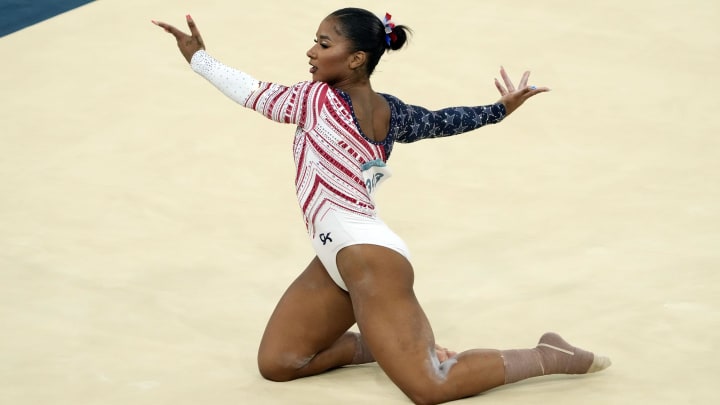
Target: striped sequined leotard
{"points": [[338, 167]]}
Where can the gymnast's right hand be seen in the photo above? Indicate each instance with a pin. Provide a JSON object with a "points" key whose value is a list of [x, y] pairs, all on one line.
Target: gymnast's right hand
{"points": [[188, 44]]}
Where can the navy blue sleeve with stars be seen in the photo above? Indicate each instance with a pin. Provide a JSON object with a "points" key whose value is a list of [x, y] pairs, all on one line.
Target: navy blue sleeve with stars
{"points": [[413, 123]]}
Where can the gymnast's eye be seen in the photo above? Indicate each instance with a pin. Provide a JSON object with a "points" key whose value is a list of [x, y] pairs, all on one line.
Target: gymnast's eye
{"points": [[321, 44]]}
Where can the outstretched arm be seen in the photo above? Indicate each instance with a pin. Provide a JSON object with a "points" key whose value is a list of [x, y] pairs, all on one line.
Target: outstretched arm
{"points": [[235, 84], [422, 123], [419, 123], [513, 98], [276, 102]]}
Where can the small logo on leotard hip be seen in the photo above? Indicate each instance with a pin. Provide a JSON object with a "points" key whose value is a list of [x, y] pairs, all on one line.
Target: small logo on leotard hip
{"points": [[325, 238]]}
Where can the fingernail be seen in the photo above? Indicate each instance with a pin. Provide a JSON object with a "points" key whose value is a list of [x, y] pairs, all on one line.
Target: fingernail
{"points": [[188, 17], [533, 88]]}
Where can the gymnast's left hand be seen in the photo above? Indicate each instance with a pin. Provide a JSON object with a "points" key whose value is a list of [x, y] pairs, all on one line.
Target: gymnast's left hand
{"points": [[513, 97], [188, 44]]}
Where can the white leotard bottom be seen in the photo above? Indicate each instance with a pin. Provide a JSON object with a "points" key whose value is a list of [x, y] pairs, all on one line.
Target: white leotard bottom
{"points": [[337, 230]]}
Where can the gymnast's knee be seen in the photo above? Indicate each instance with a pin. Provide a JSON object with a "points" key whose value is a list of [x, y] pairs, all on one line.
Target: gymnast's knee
{"points": [[424, 394], [280, 367], [431, 390]]}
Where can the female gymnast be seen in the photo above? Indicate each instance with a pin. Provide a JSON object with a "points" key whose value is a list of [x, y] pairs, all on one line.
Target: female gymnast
{"points": [[361, 274]]}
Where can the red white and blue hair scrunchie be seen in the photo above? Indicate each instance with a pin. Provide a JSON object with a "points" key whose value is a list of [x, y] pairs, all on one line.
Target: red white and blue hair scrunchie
{"points": [[390, 36]]}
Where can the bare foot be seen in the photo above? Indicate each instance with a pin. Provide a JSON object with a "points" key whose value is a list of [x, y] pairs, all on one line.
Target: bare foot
{"points": [[443, 353]]}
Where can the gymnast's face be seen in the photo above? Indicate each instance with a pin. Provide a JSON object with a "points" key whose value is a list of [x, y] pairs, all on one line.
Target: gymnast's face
{"points": [[332, 59]]}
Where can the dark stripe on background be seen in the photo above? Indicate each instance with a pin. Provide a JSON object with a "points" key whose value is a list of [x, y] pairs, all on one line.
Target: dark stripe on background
{"points": [[18, 14]]}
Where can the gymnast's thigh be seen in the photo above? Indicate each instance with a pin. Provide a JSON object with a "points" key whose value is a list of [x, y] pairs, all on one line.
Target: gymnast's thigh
{"points": [[389, 316], [311, 315]]}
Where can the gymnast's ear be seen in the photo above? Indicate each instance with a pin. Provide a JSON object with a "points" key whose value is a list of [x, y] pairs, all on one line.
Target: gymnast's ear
{"points": [[357, 59]]}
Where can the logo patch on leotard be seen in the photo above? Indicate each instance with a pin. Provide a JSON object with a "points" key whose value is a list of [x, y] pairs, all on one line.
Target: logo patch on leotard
{"points": [[325, 238]]}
